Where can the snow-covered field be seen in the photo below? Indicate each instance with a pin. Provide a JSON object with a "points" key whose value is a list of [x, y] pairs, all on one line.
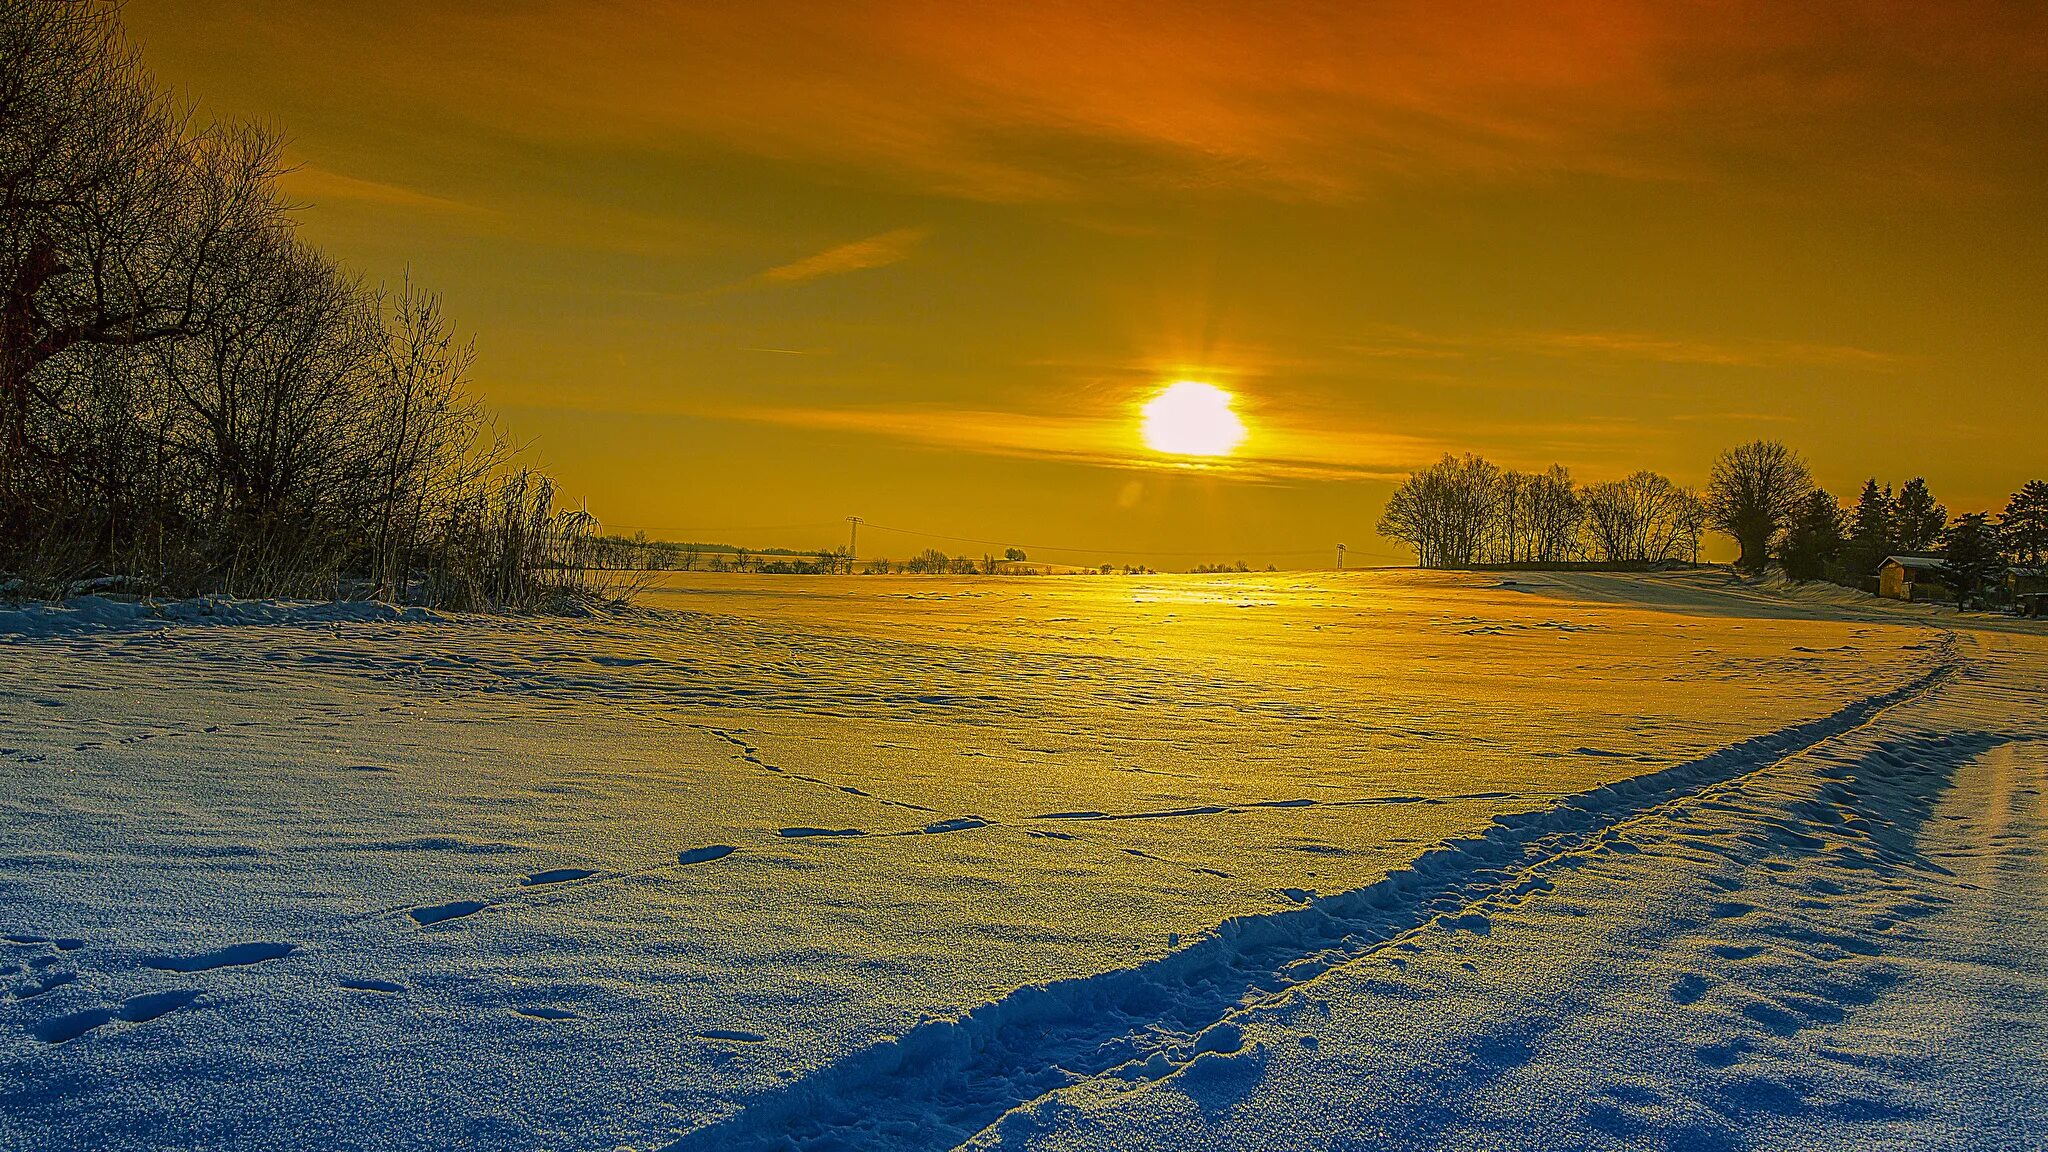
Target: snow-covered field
{"points": [[1345, 860]]}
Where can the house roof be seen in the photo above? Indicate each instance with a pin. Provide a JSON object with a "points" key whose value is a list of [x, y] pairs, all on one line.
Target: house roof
{"points": [[1916, 563]]}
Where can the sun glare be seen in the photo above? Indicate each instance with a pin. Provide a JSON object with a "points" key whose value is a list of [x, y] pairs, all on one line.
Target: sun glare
{"points": [[1189, 418]]}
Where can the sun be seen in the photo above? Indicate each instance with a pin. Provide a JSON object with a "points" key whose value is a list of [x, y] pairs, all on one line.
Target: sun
{"points": [[1189, 418]]}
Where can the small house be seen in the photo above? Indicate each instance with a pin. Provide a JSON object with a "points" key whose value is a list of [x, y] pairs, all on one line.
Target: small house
{"points": [[1897, 575], [2029, 587]]}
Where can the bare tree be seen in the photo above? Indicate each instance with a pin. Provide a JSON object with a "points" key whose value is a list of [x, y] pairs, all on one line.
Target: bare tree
{"points": [[1556, 513], [1690, 524], [117, 212], [1444, 511], [1754, 491], [425, 425], [192, 397], [1507, 535], [1643, 519], [272, 396]]}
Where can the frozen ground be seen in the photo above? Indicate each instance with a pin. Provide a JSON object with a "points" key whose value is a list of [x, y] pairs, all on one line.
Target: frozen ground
{"points": [[1372, 860]]}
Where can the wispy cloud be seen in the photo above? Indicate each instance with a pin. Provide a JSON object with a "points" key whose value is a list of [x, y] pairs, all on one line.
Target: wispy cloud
{"points": [[319, 185], [1396, 343], [1108, 439], [876, 251], [1075, 99], [1727, 353]]}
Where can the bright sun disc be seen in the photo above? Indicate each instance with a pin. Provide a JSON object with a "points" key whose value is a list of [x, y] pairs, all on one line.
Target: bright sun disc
{"points": [[1192, 419]]}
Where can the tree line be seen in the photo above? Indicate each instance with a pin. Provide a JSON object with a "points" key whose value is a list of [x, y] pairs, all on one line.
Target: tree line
{"points": [[1464, 511], [194, 398], [1822, 540]]}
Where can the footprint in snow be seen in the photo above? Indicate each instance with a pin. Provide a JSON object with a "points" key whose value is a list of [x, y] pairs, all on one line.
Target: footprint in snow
{"points": [[134, 1010], [541, 1012], [705, 854], [46, 983], [556, 876], [956, 824], [60, 943], [232, 956], [733, 1035], [371, 986], [64, 1029], [1723, 1054], [150, 1005], [440, 913], [1775, 1019], [800, 832]]}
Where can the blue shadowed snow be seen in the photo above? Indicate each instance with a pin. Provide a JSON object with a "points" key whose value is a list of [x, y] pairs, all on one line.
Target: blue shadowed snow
{"points": [[1397, 860]]}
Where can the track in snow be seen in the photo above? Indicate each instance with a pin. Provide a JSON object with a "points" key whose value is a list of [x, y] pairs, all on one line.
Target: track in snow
{"points": [[944, 1081]]}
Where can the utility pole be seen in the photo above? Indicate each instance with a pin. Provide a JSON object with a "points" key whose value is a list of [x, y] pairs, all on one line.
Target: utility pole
{"points": [[853, 524], [1340, 557]]}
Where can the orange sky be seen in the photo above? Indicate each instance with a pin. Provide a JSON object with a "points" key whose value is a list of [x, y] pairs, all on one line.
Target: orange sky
{"points": [[740, 270]]}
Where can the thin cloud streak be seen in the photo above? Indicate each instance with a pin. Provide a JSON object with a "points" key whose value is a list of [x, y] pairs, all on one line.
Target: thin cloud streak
{"points": [[1746, 354], [317, 185], [1736, 353], [1109, 441], [877, 251]]}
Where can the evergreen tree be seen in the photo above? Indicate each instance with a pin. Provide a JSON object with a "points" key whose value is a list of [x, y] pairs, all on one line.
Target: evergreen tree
{"points": [[1972, 563], [2024, 527], [1813, 540], [1917, 521], [1870, 530]]}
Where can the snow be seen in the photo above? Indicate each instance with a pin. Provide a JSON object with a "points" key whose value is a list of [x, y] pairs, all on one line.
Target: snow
{"points": [[85, 613], [1841, 948], [1366, 859]]}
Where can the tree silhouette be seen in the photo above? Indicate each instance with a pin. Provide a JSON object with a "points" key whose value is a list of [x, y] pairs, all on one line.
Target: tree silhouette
{"points": [[121, 220], [2024, 527], [1753, 493], [1870, 530], [1917, 521], [1444, 511], [1813, 540], [1556, 512], [1972, 562], [193, 398], [1644, 518]]}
